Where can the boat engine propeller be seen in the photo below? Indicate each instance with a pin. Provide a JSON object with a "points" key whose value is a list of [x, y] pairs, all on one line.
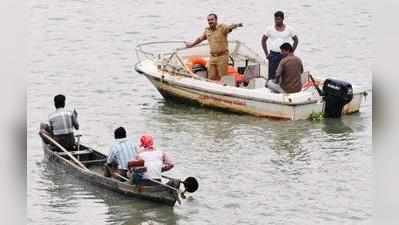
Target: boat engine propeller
{"points": [[190, 184]]}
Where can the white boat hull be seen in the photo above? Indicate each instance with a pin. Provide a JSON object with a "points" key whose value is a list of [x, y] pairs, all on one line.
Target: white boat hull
{"points": [[240, 100]]}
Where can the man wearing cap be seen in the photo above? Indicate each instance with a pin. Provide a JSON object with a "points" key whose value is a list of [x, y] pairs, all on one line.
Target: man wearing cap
{"points": [[273, 38], [122, 150], [62, 122], [155, 161], [216, 34]]}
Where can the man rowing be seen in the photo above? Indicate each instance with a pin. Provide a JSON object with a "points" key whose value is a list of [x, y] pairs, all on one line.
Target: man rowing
{"points": [[216, 34], [122, 150], [154, 161], [62, 122]]}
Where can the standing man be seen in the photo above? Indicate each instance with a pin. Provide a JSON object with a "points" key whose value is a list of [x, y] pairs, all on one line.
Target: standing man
{"points": [[277, 35], [62, 122], [216, 34], [121, 152], [288, 74]]}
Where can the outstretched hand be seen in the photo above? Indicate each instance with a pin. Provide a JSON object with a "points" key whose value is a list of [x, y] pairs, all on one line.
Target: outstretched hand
{"points": [[188, 44]]}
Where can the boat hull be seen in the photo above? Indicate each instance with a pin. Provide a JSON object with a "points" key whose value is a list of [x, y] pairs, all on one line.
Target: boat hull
{"points": [[238, 105], [172, 91], [153, 193]]}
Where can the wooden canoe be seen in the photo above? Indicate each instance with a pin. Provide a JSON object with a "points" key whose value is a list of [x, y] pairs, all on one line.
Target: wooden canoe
{"points": [[94, 162]]}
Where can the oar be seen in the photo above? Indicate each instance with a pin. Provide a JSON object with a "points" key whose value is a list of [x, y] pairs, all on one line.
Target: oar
{"points": [[64, 150], [190, 183], [157, 182], [315, 85]]}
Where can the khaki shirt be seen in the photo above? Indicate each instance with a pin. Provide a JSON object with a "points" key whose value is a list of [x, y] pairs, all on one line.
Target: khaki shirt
{"points": [[217, 38], [289, 72]]}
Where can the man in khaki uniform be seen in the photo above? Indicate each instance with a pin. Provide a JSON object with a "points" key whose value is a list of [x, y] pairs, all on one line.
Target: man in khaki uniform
{"points": [[216, 34]]}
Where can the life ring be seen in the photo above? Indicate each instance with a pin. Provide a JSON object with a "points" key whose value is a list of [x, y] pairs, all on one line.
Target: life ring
{"points": [[196, 60], [239, 78]]}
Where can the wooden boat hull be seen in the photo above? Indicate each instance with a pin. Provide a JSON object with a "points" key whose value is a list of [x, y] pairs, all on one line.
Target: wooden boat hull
{"points": [[158, 194]]}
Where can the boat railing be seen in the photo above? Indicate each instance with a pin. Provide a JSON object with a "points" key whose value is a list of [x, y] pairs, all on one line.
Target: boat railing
{"points": [[143, 50], [154, 51], [170, 56]]}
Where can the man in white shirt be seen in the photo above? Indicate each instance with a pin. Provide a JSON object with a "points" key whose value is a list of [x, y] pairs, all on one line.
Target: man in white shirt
{"points": [[155, 161], [273, 38]]}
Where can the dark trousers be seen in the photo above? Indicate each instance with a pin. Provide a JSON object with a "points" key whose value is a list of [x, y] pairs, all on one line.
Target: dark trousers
{"points": [[66, 140], [274, 60]]}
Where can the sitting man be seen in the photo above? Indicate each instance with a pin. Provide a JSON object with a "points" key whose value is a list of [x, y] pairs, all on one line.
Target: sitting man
{"points": [[155, 162], [62, 122], [121, 152], [288, 74]]}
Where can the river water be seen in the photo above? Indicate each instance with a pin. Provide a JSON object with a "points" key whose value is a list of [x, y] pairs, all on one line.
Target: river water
{"points": [[250, 170]]}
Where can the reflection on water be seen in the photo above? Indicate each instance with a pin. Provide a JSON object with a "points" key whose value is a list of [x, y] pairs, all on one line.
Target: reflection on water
{"points": [[251, 170], [336, 126]]}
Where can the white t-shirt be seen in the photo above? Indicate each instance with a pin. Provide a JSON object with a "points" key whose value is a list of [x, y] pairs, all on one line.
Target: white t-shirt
{"points": [[153, 161], [277, 38]]}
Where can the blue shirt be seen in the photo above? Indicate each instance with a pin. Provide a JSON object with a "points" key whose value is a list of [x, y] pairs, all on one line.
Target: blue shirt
{"points": [[122, 151]]}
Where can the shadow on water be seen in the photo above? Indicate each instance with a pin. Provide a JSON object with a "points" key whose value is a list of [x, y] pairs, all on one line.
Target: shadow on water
{"points": [[77, 195], [336, 126]]}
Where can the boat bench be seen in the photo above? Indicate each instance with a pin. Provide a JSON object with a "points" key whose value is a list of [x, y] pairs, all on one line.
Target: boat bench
{"points": [[95, 161], [82, 152]]}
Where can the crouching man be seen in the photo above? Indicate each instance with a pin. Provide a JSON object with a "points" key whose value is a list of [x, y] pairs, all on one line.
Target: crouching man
{"points": [[149, 163], [288, 74], [121, 152]]}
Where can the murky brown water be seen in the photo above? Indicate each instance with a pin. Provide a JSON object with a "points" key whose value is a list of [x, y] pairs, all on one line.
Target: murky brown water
{"points": [[251, 170]]}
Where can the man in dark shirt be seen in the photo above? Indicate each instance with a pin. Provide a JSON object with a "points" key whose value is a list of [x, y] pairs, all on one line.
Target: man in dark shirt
{"points": [[288, 74]]}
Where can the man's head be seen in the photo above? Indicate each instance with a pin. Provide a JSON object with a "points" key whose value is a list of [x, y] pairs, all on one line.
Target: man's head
{"points": [[120, 133], [147, 142], [212, 20], [286, 49], [279, 18], [59, 101]]}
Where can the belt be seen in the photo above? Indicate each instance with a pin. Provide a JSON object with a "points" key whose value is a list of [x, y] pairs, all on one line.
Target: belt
{"points": [[216, 54]]}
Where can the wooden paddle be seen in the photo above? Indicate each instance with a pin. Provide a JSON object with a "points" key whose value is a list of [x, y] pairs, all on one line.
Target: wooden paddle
{"points": [[157, 182], [64, 150], [190, 183], [315, 85]]}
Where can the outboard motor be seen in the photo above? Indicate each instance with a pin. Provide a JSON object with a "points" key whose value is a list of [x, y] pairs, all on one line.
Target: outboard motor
{"points": [[336, 94]]}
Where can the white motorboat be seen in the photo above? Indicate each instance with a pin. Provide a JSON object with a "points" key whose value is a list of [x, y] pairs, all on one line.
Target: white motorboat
{"points": [[180, 74]]}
